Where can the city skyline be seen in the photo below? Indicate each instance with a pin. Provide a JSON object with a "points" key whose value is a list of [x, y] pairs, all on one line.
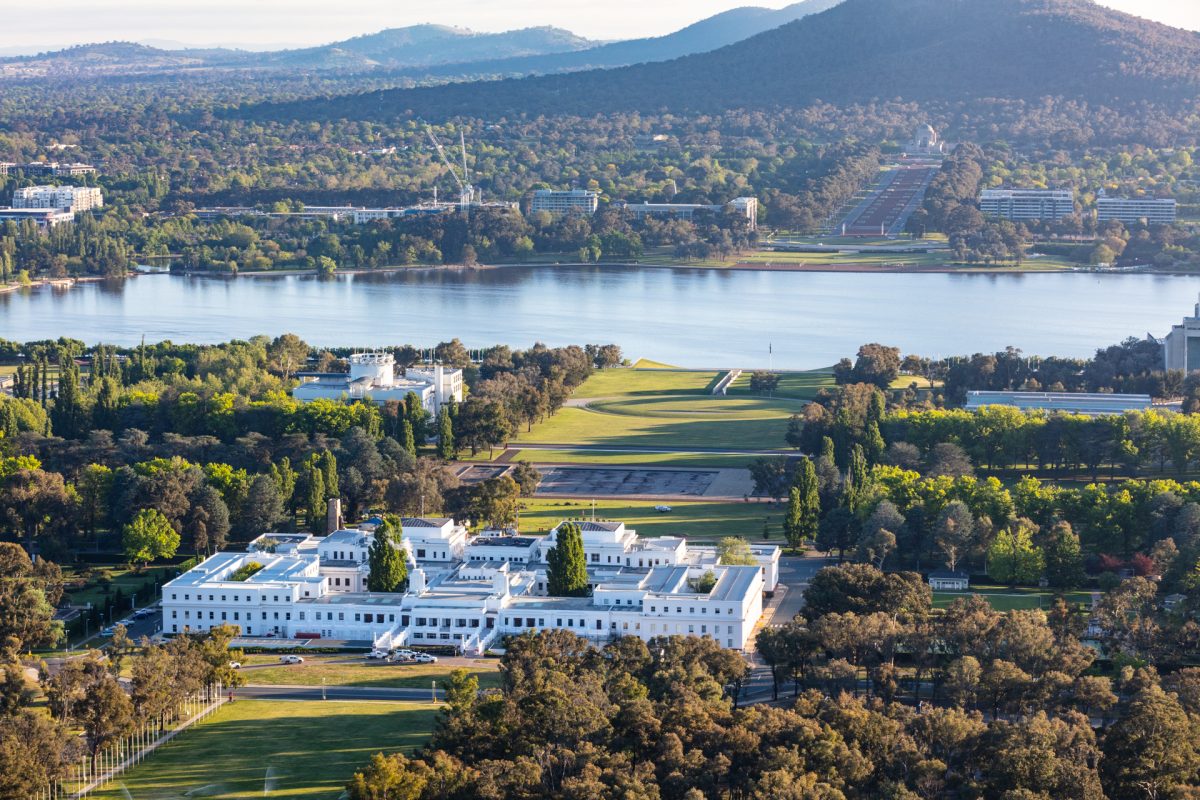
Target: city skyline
{"points": [[275, 24]]}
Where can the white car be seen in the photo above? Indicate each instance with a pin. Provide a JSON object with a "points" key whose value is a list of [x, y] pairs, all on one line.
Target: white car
{"points": [[291, 660], [235, 665], [378, 654], [663, 509], [424, 658], [109, 631]]}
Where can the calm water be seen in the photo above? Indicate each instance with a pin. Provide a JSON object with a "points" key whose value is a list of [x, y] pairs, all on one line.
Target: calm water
{"points": [[689, 317]]}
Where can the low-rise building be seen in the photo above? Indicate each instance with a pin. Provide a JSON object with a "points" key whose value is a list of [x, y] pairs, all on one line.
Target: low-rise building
{"points": [[470, 594], [1135, 210], [1094, 405], [1181, 347], [373, 376], [68, 198], [1027, 204], [746, 206], [42, 217], [945, 580], [54, 169], [579, 201]]}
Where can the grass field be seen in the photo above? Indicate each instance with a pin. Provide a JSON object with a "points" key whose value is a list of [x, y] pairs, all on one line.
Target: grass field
{"points": [[274, 749], [628, 382], [698, 521], [127, 580], [626, 458], [342, 670], [1008, 599]]}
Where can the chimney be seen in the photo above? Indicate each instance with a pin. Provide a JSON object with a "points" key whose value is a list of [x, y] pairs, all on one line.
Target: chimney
{"points": [[416, 581], [500, 582], [333, 516]]}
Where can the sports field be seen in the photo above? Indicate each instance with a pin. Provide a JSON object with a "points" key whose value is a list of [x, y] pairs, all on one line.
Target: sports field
{"points": [[699, 521], [275, 749]]}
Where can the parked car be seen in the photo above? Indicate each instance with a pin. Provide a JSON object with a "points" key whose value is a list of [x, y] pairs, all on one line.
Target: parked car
{"points": [[108, 631], [378, 654], [663, 509], [424, 658], [291, 660], [402, 653], [235, 665]]}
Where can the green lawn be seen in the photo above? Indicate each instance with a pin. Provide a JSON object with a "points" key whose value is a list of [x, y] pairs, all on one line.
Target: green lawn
{"points": [[696, 520], [1008, 599], [127, 580], [279, 749], [349, 670], [632, 458], [656, 380], [796, 385]]}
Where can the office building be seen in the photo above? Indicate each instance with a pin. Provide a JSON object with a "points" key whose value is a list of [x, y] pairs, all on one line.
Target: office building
{"points": [[69, 198], [1182, 345], [1132, 211], [469, 593], [745, 206], [42, 217], [373, 375], [579, 201], [1027, 204], [1093, 405]]}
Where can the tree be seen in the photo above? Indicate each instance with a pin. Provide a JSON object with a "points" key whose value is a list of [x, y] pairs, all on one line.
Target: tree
{"points": [[446, 450], [858, 480], [286, 354], [495, 501], [877, 364], [106, 713], [481, 423], [1064, 557], [69, 416], [34, 752], [148, 537], [26, 613], [1151, 751], [954, 531], [95, 491], [315, 505], [386, 558], [763, 382], [407, 439], [263, 507], [735, 551], [566, 571], [803, 516], [1013, 558], [770, 476]]}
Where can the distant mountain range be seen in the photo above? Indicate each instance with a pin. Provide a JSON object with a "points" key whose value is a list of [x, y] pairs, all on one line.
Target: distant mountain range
{"points": [[422, 50], [858, 51]]}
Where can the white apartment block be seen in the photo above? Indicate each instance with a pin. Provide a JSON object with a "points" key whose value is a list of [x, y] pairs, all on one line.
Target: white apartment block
{"points": [[1132, 211], [373, 376], [70, 198], [565, 202], [1027, 204], [745, 206], [469, 593]]}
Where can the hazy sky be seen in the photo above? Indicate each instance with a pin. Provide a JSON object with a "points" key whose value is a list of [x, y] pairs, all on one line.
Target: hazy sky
{"points": [[289, 22]]}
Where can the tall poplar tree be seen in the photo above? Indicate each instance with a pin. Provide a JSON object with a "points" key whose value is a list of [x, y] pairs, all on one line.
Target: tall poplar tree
{"points": [[804, 505], [388, 568], [566, 575]]}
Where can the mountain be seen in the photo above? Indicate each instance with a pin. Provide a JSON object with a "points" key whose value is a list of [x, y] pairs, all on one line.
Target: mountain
{"points": [[425, 45], [108, 58], [858, 51], [700, 37]]}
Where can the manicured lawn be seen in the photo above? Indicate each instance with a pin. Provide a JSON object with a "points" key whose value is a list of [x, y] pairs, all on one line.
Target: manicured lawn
{"points": [[672, 422], [127, 580], [1006, 599], [698, 521], [798, 385], [259, 748], [632, 459], [351, 670], [623, 381]]}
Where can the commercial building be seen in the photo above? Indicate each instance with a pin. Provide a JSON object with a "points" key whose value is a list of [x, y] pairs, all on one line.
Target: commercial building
{"points": [[1094, 405], [746, 206], [469, 593], [55, 169], [1182, 345], [579, 201], [69, 198], [42, 217], [1132, 211], [1027, 204], [373, 375]]}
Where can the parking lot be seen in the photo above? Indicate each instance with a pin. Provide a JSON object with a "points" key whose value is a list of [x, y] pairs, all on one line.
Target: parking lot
{"points": [[625, 482]]}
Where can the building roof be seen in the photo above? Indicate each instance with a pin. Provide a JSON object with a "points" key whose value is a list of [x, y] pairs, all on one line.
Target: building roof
{"points": [[948, 575], [425, 522], [504, 541], [734, 583]]}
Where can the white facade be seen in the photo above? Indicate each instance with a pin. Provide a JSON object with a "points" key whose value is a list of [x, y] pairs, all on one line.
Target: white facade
{"points": [[1027, 204], [559, 202], [373, 375], [746, 206], [1182, 345], [1132, 211], [42, 217], [470, 594], [70, 198]]}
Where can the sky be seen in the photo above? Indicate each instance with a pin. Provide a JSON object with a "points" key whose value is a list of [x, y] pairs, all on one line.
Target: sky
{"points": [[274, 23]]}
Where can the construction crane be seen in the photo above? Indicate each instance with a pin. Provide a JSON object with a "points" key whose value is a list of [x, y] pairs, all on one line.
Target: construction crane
{"points": [[466, 191]]}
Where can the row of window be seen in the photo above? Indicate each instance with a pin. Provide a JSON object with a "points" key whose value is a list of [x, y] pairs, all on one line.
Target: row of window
{"points": [[249, 598]]}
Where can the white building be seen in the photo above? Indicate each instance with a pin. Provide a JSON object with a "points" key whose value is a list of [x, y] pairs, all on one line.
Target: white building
{"points": [[746, 206], [1092, 404], [560, 202], [1027, 204], [1133, 210], [373, 375], [42, 217], [1182, 345], [469, 594], [925, 141], [69, 198]]}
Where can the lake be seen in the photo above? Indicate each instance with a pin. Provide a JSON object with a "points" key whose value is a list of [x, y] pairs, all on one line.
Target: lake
{"points": [[687, 317]]}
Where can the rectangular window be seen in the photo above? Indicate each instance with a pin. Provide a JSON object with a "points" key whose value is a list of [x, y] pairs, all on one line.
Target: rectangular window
{"points": [[222, 616], [420, 553], [358, 617], [596, 557], [341, 616]]}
